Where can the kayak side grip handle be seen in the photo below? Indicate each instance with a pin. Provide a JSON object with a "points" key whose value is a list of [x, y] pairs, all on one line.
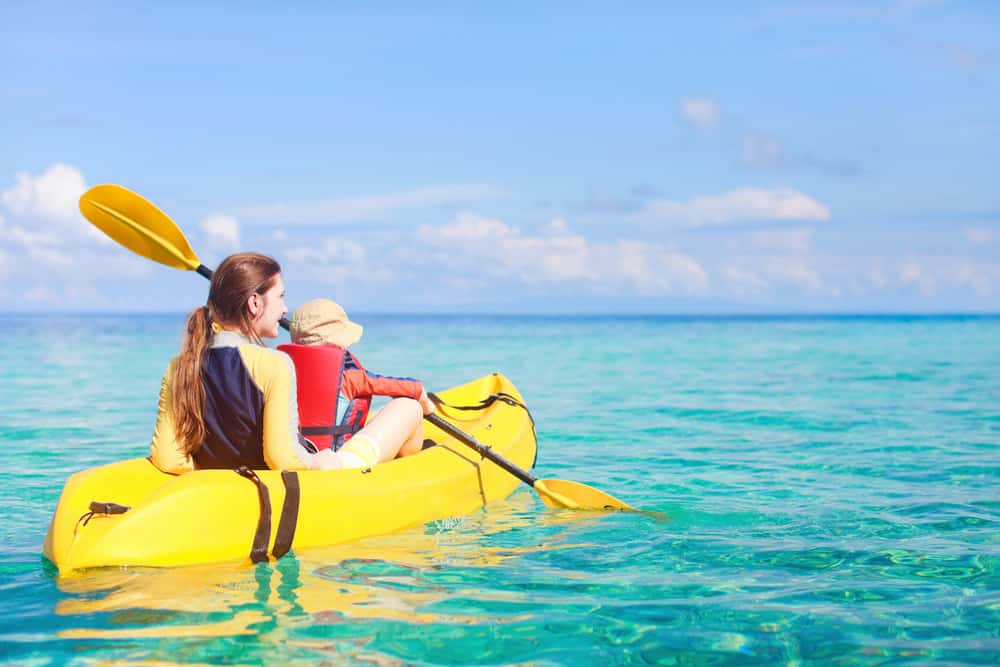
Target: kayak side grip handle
{"points": [[108, 508], [102, 508]]}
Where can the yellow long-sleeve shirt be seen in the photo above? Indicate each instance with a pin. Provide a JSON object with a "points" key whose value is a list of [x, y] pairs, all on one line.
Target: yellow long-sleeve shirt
{"points": [[251, 416]]}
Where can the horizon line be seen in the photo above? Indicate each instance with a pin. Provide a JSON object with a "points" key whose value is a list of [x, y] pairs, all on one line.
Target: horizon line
{"points": [[720, 314]]}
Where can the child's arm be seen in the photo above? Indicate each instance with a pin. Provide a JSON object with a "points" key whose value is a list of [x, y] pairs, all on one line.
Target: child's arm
{"points": [[357, 381]]}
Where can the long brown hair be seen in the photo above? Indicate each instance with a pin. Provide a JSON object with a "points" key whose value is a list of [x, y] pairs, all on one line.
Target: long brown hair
{"points": [[233, 283]]}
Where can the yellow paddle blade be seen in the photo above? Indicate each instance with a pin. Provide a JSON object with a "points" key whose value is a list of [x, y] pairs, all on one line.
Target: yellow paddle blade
{"points": [[138, 225], [574, 495]]}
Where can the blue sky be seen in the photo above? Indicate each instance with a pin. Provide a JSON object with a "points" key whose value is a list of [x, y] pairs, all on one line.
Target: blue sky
{"points": [[517, 157]]}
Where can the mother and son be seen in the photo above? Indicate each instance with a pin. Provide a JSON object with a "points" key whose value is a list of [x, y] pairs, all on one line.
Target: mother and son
{"points": [[228, 401]]}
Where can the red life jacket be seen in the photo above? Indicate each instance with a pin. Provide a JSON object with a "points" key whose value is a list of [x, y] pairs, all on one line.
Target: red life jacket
{"points": [[319, 370]]}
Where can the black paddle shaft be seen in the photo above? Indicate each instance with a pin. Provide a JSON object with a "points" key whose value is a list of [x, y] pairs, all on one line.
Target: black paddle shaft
{"points": [[484, 450]]}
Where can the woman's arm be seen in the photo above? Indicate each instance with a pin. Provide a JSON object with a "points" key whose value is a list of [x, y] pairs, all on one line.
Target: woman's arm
{"points": [[165, 451], [274, 373]]}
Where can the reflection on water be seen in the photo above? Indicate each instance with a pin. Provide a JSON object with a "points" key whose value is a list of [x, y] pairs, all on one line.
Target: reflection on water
{"points": [[518, 582], [405, 577]]}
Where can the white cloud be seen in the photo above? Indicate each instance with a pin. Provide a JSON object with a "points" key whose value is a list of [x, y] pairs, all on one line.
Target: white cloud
{"points": [[555, 227], [330, 251], [48, 204], [221, 231], [42, 294], [489, 249], [701, 112], [760, 150], [795, 271], [51, 196], [60, 296], [54, 259], [737, 206], [797, 241], [978, 235], [744, 281], [338, 262], [933, 274], [911, 271], [877, 277], [758, 261], [756, 149], [958, 56], [50, 247], [499, 250], [756, 274], [76, 265], [18, 235], [469, 227], [354, 209], [540, 259], [969, 273], [652, 269]]}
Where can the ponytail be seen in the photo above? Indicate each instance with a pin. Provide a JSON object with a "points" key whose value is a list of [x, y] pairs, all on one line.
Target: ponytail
{"points": [[188, 391]]}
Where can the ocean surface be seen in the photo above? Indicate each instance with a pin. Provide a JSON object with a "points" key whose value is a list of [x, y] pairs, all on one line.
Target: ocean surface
{"points": [[832, 488]]}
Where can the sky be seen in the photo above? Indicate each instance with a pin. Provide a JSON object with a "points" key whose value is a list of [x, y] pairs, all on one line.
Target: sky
{"points": [[576, 157]]}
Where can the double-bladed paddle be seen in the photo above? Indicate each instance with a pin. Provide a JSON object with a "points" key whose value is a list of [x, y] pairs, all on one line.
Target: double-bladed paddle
{"points": [[140, 226]]}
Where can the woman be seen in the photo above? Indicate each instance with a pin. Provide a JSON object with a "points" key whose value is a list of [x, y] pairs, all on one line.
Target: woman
{"points": [[227, 401]]}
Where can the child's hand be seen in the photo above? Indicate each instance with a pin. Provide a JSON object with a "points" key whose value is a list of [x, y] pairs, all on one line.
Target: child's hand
{"points": [[426, 403]]}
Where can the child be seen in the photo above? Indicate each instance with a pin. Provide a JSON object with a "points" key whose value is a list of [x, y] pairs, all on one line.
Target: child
{"points": [[335, 393]]}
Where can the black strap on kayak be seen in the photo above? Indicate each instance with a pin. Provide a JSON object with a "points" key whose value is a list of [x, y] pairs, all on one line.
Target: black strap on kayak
{"points": [[102, 508], [289, 514], [258, 552], [501, 396]]}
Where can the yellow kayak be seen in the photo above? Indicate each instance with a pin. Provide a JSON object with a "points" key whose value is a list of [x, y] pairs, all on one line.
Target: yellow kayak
{"points": [[213, 515]]}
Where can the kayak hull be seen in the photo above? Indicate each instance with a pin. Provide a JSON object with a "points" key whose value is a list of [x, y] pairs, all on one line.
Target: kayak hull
{"points": [[212, 515]]}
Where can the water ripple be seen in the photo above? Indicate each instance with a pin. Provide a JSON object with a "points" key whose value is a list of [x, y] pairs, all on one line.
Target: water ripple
{"points": [[830, 487]]}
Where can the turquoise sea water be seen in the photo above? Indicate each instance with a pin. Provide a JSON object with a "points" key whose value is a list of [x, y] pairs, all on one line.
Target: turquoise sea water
{"points": [[831, 483]]}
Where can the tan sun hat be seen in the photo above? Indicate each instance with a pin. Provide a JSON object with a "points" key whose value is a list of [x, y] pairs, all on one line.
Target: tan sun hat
{"points": [[322, 321]]}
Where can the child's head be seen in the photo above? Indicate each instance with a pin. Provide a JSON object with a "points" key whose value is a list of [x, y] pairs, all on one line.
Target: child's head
{"points": [[322, 321]]}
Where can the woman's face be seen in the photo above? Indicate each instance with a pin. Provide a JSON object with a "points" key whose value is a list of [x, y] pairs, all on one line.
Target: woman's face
{"points": [[267, 308]]}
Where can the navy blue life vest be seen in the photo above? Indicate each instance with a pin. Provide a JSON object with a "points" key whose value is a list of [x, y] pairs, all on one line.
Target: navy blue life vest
{"points": [[319, 371], [234, 414]]}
